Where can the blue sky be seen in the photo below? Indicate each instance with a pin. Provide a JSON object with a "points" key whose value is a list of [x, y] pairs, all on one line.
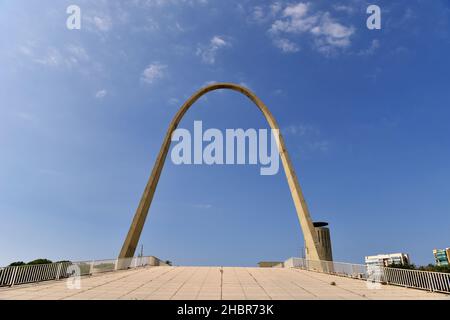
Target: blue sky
{"points": [[83, 113]]}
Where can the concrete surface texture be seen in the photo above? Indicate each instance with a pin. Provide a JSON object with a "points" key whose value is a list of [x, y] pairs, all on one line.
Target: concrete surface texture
{"points": [[213, 283]]}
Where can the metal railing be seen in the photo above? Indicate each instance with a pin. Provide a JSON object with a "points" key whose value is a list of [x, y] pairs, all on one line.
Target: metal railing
{"points": [[10, 276], [425, 280]]}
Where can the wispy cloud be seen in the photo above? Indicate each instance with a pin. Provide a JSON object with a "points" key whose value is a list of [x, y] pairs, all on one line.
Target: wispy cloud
{"points": [[26, 116], [103, 23], [203, 206], [300, 130], [286, 45], [161, 3], [101, 94], [261, 14], [373, 47], [374, 74], [344, 8], [52, 58], [173, 101], [310, 137], [99, 21], [258, 14], [209, 52], [322, 145], [208, 83], [69, 56], [153, 72], [77, 54]]}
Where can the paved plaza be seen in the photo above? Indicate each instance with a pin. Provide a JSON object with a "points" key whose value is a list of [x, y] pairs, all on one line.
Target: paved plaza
{"points": [[213, 283]]}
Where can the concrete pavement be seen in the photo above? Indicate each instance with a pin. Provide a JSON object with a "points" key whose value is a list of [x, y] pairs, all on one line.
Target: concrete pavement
{"points": [[213, 283]]}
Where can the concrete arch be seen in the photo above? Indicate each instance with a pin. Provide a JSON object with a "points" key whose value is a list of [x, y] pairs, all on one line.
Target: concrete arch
{"points": [[312, 244]]}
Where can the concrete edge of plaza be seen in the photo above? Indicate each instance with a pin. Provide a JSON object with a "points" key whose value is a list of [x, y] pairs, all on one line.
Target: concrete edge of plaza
{"points": [[154, 282]]}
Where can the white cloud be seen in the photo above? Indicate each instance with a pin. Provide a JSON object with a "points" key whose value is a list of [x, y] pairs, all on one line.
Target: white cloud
{"points": [[310, 137], [149, 25], [295, 20], [174, 101], [25, 50], [71, 56], [208, 53], [178, 27], [203, 206], [286, 45], [52, 58], [300, 130], [330, 34], [26, 116], [102, 23], [153, 72], [101, 94], [327, 34], [322, 145], [296, 10], [260, 14], [208, 83], [275, 8], [374, 45], [78, 53], [218, 42], [344, 8], [278, 92], [161, 3], [245, 85]]}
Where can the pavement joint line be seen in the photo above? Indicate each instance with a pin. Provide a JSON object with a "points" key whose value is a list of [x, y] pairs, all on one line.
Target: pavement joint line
{"points": [[221, 283], [175, 268], [299, 286], [240, 283], [159, 275], [283, 289], [181, 286], [348, 290], [203, 284], [113, 280], [251, 275]]}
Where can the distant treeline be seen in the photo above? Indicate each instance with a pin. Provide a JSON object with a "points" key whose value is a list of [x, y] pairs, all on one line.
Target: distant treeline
{"points": [[34, 262], [430, 267]]}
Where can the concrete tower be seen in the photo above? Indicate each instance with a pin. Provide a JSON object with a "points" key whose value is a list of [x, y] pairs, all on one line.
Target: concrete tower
{"points": [[323, 235]]}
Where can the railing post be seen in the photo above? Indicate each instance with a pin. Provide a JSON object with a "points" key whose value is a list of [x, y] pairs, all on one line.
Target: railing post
{"points": [[91, 269], [448, 282], [433, 282], [13, 277], [430, 287], [58, 271]]}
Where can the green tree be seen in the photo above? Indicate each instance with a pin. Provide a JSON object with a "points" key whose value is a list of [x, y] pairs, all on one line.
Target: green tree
{"points": [[430, 267], [39, 261]]}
